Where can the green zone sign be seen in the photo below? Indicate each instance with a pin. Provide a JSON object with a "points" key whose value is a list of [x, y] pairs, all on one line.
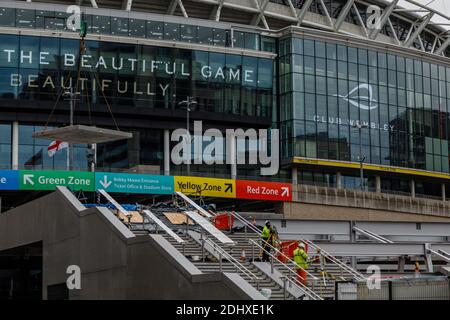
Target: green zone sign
{"points": [[49, 180]]}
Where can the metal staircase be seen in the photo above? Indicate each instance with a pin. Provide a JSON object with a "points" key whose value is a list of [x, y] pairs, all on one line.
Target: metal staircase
{"points": [[208, 263], [213, 251]]}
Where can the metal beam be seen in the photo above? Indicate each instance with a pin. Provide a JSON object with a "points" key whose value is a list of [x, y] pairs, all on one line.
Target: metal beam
{"points": [[345, 11], [409, 41], [173, 5], [126, 5], [393, 31], [294, 11], [301, 15], [372, 235], [327, 14], [361, 22], [262, 7], [443, 47], [215, 14], [383, 19], [379, 249]]}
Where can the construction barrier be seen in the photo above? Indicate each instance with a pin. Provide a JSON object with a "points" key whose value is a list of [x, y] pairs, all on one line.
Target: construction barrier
{"points": [[422, 288], [287, 249], [224, 221]]}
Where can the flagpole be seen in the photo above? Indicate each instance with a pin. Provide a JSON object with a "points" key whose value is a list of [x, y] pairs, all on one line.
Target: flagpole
{"points": [[68, 158]]}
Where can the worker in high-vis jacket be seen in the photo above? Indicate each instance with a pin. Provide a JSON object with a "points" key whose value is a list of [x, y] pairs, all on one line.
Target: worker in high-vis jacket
{"points": [[266, 236], [301, 259]]}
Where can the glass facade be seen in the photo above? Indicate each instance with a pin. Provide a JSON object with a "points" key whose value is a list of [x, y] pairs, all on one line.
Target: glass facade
{"points": [[139, 28], [33, 153], [327, 90], [35, 68], [5, 146]]}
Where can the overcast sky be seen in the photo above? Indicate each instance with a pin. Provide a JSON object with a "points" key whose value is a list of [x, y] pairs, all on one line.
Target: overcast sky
{"points": [[441, 5]]}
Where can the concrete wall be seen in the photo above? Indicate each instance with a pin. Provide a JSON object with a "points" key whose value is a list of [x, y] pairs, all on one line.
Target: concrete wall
{"points": [[115, 264], [322, 203]]}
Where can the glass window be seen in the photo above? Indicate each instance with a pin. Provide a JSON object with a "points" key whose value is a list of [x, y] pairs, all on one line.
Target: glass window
{"points": [[268, 44], [352, 55], [362, 56], [239, 39], [220, 37], [297, 63], [119, 26], [265, 73], [372, 58], [155, 30], [188, 33], [100, 24], [171, 31], [7, 17], [137, 28], [320, 49], [308, 47], [342, 53], [297, 46], [251, 41], [331, 51], [25, 18]]}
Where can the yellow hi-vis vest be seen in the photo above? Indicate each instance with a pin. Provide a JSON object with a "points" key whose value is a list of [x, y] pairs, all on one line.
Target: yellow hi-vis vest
{"points": [[265, 233], [301, 258]]}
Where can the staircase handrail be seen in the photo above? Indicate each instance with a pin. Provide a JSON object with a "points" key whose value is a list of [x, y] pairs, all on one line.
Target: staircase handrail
{"points": [[310, 293], [231, 259], [343, 266]]}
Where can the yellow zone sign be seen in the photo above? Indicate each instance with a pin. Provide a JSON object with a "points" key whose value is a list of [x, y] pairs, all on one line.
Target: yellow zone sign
{"points": [[208, 187]]}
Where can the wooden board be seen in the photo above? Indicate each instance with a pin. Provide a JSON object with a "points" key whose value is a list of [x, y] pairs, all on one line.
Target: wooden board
{"points": [[177, 218], [136, 217]]}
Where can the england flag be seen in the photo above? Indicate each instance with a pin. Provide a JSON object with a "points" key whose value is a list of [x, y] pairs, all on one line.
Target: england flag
{"points": [[55, 146]]}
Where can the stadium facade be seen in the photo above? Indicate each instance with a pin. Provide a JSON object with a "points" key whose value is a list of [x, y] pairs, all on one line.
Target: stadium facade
{"points": [[341, 93]]}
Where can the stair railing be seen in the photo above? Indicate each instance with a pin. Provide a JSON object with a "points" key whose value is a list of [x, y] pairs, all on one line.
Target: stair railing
{"points": [[238, 265], [342, 266], [291, 272]]}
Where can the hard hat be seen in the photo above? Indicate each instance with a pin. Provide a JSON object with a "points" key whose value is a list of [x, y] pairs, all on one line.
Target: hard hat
{"points": [[267, 222], [301, 245]]}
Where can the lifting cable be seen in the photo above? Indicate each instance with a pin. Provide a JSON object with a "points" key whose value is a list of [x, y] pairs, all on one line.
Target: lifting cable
{"points": [[82, 48]]}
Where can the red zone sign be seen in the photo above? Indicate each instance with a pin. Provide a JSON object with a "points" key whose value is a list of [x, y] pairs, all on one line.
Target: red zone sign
{"points": [[272, 191]]}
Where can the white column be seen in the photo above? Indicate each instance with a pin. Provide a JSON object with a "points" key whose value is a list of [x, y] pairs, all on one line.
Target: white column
{"points": [[166, 152], [413, 188], [378, 184], [338, 180], [233, 163], [443, 192], [295, 184], [15, 145]]}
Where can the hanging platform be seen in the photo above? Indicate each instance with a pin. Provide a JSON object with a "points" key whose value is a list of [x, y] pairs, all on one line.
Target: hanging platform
{"points": [[79, 134]]}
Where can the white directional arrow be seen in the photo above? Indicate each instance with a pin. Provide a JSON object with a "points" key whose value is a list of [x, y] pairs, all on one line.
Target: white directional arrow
{"points": [[285, 191], [27, 179], [105, 183]]}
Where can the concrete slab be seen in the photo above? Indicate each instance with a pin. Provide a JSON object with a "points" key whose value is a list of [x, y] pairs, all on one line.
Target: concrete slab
{"points": [[83, 134]]}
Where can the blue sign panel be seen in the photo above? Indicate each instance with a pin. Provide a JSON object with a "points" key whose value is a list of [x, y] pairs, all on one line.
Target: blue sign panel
{"points": [[9, 180], [134, 183]]}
